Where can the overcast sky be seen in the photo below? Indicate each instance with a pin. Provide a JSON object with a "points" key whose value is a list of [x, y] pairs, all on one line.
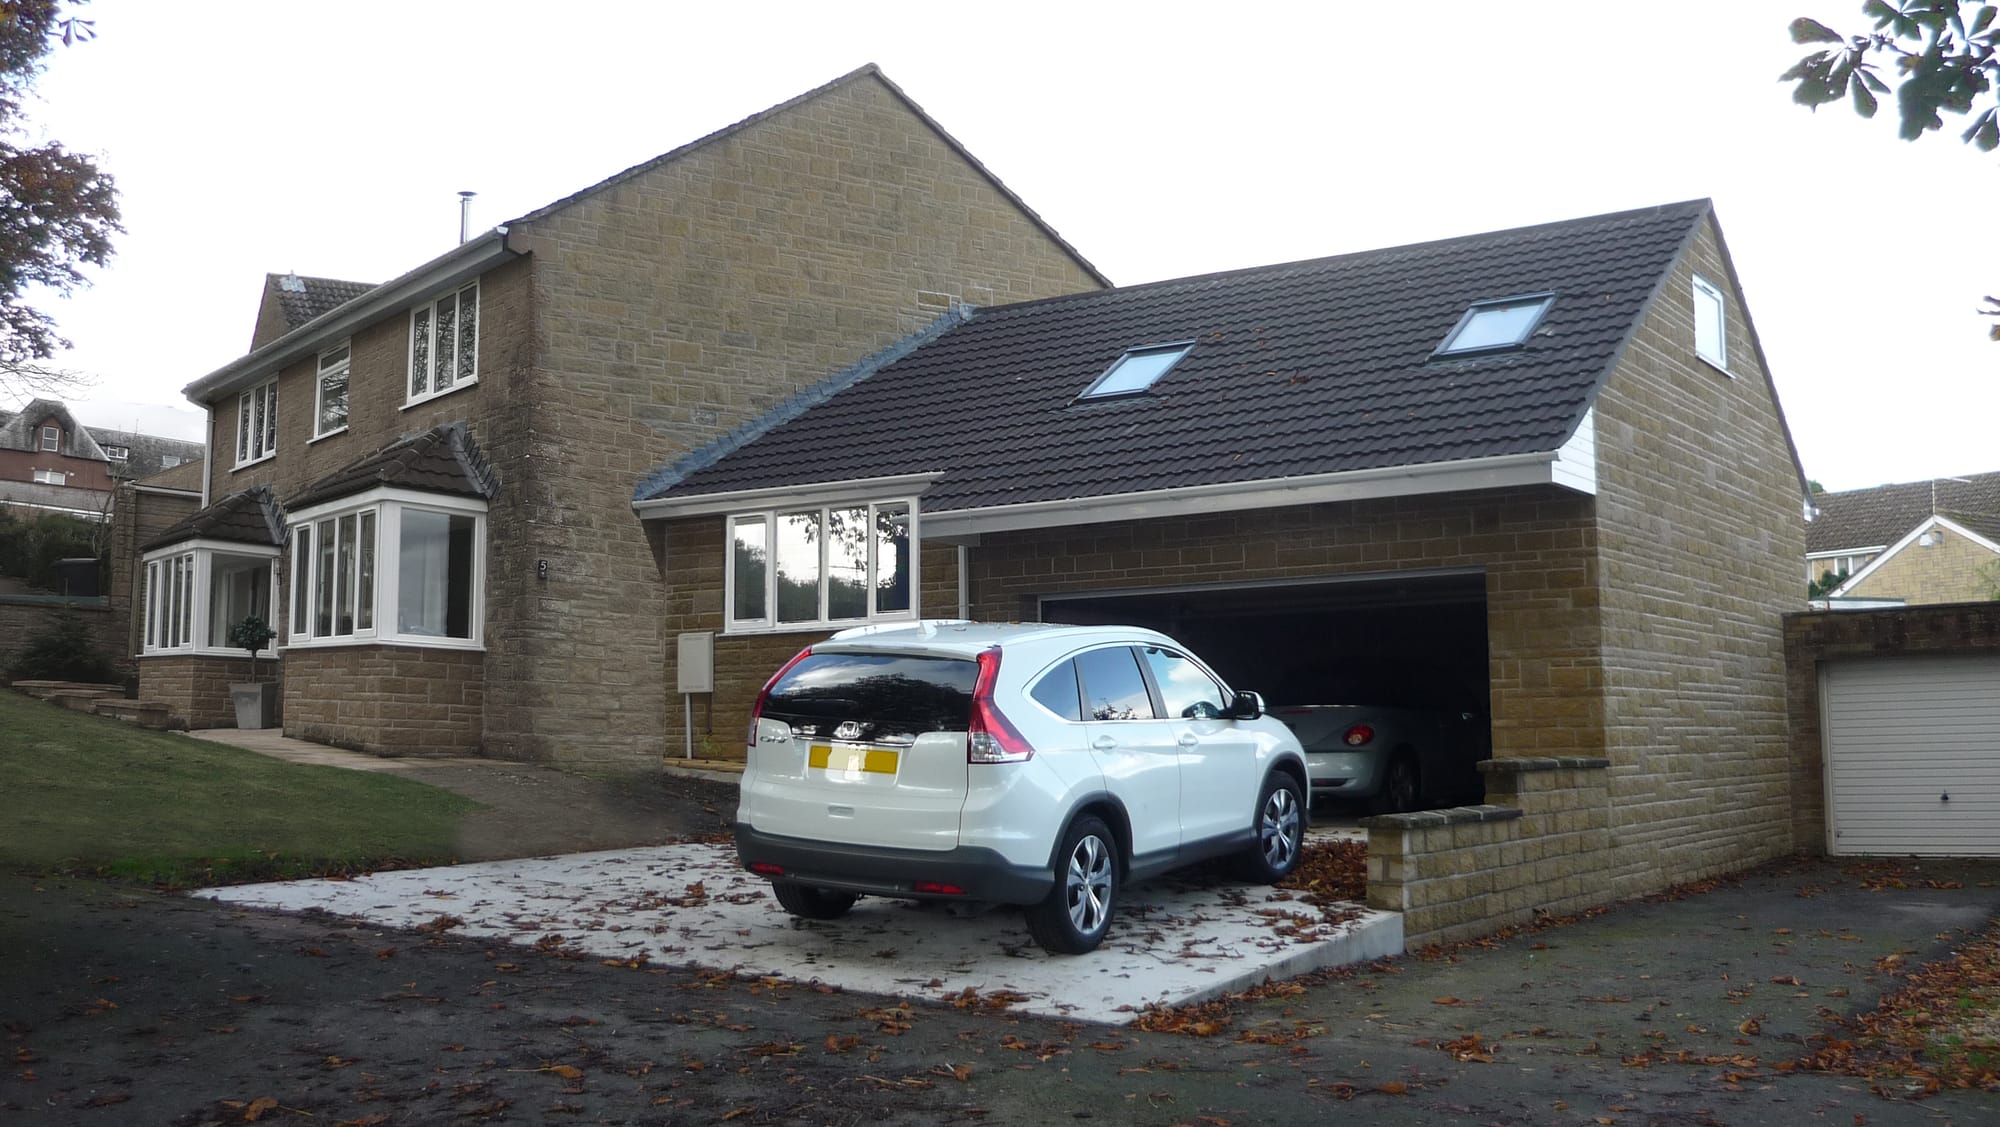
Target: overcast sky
{"points": [[1160, 140]]}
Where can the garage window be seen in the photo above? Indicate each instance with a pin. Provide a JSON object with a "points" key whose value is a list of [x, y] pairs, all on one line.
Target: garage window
{"points": [[1503, 323], [1137, 370], [833, 564]]}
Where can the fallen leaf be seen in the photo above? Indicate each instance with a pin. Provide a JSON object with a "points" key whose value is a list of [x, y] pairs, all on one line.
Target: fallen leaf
{"points": [[1750, 1027], [258, 1107], [1393, 1088]]}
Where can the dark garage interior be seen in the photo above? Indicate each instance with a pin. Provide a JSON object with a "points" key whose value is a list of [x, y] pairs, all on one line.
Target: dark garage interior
{"points": [[1402, 640]]}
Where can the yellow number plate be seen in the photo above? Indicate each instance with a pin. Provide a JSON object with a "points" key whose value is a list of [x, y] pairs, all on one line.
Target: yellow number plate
{"points": [[853, 761]]}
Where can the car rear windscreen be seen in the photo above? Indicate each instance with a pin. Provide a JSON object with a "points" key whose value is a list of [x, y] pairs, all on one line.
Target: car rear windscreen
{"points": [[887, 694]]}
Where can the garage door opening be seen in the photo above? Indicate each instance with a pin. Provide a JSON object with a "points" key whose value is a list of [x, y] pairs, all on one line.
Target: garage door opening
{"points": [[1403, 656]]}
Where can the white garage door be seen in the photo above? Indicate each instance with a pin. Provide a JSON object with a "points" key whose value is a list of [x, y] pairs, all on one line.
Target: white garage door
{"points": [[1912, 756]]}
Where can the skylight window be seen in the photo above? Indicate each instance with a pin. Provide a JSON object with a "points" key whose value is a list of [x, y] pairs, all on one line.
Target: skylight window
{"points": [[1137, 370], [1488, 325]]}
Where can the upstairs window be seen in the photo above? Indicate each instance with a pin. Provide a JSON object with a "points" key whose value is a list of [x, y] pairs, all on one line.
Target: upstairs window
{"points": [[257, 423], [1136, 371], [1710, 324], [819, 566], [117, 453], [330, 400], [51, 439], [444, 344], [1491, 325]]}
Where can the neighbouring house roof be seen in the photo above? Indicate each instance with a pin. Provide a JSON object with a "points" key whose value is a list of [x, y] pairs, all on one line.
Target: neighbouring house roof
{"points": [[21, 432], [443, 459], [1882, 515], [249, 516], [301, 299], [484, 251], [1301, 369], [146, 454]]}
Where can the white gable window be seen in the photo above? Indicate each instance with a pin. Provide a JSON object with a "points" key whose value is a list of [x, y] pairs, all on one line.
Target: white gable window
{"points": [[257, 424], [444, 344], [835, 564], [330, 393], [1136, 371], [1503, 323], [195, 592], [117, 453], [51, 439], [1710, 324], [389, 566]]}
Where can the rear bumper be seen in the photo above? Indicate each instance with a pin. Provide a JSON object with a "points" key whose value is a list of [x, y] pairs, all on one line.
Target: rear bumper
{"points": [[982, 873]]}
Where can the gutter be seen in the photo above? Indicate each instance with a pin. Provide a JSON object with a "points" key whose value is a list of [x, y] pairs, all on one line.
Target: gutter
{"points": [[454, 267]]}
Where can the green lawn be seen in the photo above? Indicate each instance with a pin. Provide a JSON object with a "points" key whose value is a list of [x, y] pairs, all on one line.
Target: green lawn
{"points": [[83, 794]]}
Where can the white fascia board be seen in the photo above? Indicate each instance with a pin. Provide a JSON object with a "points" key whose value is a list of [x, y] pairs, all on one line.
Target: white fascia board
{"points": [[227, 547], [1576, 462], [1356, 485], [165, 491], [453, 502], [1831, 553], [447, 271], [778, 496]]}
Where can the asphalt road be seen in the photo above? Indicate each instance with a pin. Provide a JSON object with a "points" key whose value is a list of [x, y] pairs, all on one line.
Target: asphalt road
{"points": [[120, 1006]]}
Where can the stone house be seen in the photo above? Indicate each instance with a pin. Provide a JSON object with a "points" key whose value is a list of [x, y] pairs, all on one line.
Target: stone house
{"points": [[1912, 543], [1549, 460], [424, 484]]}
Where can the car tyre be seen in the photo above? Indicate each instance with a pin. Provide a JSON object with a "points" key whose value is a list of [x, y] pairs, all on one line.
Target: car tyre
{"points": [[1279, 831], [1074, 917], [1400, 787], [812, 903]]}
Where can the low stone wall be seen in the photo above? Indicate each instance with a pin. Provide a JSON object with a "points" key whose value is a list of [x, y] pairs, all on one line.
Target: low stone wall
{"points": [[24, 616], [195, 687], [1540, 845], [386, 700]]}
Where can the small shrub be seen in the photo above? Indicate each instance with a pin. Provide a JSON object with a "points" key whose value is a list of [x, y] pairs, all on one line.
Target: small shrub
{"points": [[64, 651]]}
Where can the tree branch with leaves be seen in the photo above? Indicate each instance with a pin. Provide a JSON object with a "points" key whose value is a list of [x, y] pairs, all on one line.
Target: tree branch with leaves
{"points": [[1945, 55]]}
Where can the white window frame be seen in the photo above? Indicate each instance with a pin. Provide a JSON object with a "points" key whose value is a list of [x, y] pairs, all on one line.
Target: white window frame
{"points": [[769, 623], [1711, 344], [328, 366], [388, 506], [257, 424], [423, 321], [51, 477], [175, 589], [51, 440], [117, 453]]}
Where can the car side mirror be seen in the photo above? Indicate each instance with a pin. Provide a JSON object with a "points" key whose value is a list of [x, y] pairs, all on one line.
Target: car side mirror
{"points": [[1245, 705]]}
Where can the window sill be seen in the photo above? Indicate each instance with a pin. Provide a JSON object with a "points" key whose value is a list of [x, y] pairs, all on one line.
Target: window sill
{"points": [[457, 387], [733, 630], [325, 434], [254, 461], [1723, 368], [405, 640]]}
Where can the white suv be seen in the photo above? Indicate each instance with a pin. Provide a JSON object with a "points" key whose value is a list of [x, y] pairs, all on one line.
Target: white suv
{"points": [[1025, 764]]}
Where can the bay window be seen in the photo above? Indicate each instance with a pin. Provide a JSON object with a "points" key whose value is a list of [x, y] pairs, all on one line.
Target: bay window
{"points": [[428, 590], [820, 566], [193, 593], [444, 344]]}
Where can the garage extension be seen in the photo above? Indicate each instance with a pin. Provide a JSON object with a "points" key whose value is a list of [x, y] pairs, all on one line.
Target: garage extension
{"points": [[1547, 461]]}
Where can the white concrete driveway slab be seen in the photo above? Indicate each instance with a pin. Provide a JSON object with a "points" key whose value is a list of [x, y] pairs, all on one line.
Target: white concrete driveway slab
{"points": [[1174, 941]]}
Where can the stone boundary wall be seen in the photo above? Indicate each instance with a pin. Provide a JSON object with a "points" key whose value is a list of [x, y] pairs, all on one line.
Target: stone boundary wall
{"points": [[24, 616], [1820, 636], [1540, 845], [195, 687]]}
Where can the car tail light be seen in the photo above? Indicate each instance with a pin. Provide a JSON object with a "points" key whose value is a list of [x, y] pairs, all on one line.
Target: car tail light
{"points": [[937, 888], [990, 737], [1356, 736], [767, 868], [764, 694]]}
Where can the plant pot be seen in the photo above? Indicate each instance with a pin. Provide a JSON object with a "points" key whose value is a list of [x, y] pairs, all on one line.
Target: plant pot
{"points": [[256, 704]]}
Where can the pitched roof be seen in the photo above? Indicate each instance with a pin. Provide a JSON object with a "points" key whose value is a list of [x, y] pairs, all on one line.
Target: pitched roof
{"points": [[249, 516], [1884, 514], [19, 432], [145, 454], [443, 459], [301, 299], [1305, 368]]}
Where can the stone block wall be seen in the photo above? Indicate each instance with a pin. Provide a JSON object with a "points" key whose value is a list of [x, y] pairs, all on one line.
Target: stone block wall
{"points": [[1538, 846], [387, 700], [137, 516], [195, 687], [1812, 639], [1954, 569], [24, 616], [1699, 544]]}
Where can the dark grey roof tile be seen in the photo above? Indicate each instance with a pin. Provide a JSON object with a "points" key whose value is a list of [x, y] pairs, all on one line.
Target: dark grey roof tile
{"points": [[250, 516], [443, 459]]}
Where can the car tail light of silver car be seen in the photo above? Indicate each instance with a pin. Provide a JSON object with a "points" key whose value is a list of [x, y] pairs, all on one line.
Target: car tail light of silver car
{"points": [[991, 737], [764, 694], [1356, 736]]}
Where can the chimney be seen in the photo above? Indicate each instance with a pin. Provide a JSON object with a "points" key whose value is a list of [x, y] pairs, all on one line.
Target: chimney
{"points": [[465, 215]]}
